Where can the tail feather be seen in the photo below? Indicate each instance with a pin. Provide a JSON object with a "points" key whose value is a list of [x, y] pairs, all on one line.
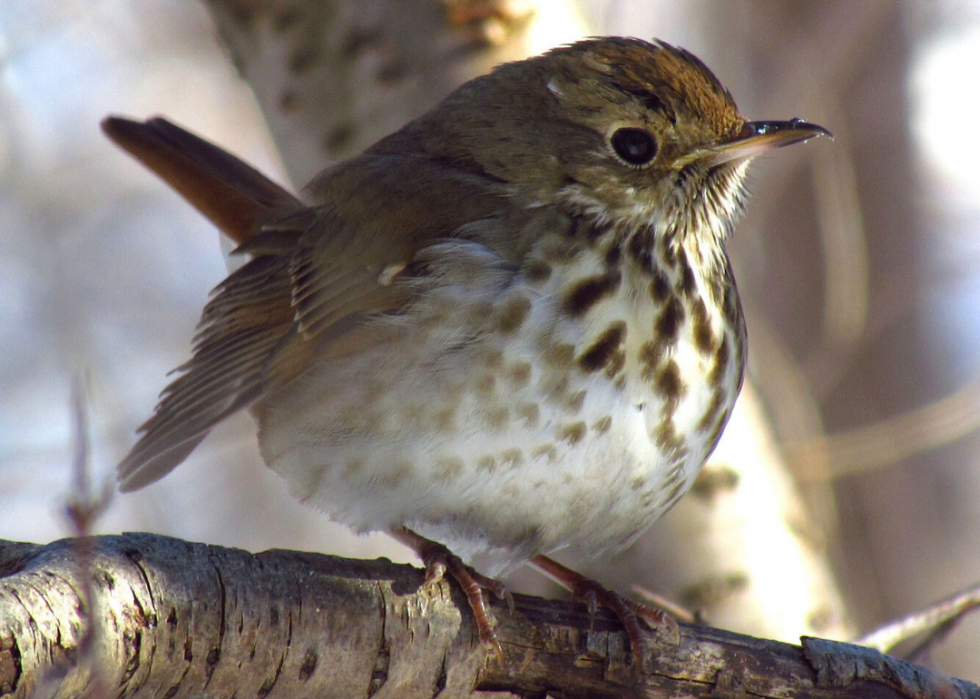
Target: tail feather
{"points": [[250, 316], [236, 197]]}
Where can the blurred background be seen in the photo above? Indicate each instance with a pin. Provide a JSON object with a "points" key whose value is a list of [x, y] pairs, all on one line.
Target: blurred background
{"points": [[858, 262]]}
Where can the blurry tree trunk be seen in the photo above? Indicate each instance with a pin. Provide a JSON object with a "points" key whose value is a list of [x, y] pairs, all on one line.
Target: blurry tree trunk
{"points": [[333, 77]]}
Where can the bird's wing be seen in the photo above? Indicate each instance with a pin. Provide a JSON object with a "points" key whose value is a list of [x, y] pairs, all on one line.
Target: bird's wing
{"points": [[315, 273]]}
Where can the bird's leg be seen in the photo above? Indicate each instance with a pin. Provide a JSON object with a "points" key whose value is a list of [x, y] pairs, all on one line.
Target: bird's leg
{"points": [[595, 595], [438, 561]]}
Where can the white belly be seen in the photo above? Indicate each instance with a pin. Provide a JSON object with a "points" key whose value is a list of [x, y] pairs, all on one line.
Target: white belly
{"points": [[498, 442]]}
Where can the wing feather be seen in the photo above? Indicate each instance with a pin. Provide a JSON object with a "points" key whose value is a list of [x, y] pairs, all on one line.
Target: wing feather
{"points": [[314, 279]]}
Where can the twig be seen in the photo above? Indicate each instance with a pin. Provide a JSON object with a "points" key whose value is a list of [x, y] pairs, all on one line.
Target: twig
{"points": [[935, 617]]}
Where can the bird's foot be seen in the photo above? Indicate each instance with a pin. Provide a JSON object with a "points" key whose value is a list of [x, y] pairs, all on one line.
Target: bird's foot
{"points": [[438, 561], [594, 595]]}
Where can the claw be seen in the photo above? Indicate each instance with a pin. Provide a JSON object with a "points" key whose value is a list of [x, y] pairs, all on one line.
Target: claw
{"points": [[438, 561], [629, 613]]}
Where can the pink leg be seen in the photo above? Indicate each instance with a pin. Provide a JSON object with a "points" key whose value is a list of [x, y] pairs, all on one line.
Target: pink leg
{"points": [[438, 561], [595, 595]]}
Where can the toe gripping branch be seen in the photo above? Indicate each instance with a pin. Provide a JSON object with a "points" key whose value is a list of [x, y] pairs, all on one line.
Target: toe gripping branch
{"points": [[438, 561], [594, 595]]}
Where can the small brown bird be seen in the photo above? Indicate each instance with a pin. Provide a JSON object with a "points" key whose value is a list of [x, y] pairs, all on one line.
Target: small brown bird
{"points": [[509, 328]]}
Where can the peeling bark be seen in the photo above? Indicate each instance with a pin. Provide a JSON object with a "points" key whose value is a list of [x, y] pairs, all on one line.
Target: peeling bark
{"points": [[174, 619]]}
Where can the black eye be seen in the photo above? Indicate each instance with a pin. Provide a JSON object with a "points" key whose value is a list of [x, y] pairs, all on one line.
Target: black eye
{"points": [[635, 146]]}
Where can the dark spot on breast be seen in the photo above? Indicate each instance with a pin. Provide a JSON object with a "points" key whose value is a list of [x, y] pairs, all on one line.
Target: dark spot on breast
{"points": [[601, 351], [716, 290], [537, 271], [511, 457], [485, 383], [668, 245], [669, 321], [559, 354], [718, 399], [688, 285], [603, 424], [395, 475], [445, 420], [613, 254], [616, 363], [512, 314], [732, 308], [719, 426], [546, 450], [520, 374], [668, 440], [487, 463], [674, 494], [650, 355], [574, 402], [581, 227], [659, 286], [498, 418], [556, 387], [492, 358], [703, 336], [449, 469], [674, 475], [722, 358], [557, 249], [572, 433], [595, 232], [670, 385], [590, 291], [640, 249], [529, 412]]}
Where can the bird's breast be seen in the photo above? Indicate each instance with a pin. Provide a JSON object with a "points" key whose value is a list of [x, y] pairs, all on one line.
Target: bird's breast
{"points": [[567, 403]]}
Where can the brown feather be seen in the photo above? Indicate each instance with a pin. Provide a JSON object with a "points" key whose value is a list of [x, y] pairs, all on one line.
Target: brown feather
{"points": [[234, 196], [313, 282]]}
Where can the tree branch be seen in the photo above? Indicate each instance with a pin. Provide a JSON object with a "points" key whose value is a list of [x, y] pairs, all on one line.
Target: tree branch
{"points": [[175, 618]]}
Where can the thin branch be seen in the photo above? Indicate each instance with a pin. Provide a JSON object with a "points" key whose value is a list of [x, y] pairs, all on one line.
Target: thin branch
{"points": [[941, 422], [935, 617]]}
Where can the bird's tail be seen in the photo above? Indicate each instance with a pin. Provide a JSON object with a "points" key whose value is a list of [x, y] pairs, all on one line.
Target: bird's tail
{"points": [[236, 197], [250, 316]]}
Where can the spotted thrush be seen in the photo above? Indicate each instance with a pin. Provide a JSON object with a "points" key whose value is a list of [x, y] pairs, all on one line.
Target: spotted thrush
{"points": [[509, 328]]}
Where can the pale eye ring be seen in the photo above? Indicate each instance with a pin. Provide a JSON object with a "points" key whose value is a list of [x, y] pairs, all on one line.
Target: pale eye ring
{"points": [[635, 146]]}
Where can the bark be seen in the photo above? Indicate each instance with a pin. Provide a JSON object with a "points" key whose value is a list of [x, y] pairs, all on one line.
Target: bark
{"points": [[172, 619]]}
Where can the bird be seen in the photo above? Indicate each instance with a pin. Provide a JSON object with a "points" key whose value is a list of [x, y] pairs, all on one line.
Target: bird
{"points": [[507, 329]]}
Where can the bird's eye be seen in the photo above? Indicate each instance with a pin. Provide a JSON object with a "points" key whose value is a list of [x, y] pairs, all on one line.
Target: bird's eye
{"points": [[635, 146]]}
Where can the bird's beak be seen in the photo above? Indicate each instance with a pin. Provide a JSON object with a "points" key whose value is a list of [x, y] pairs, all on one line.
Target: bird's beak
{"points": [[755, 137]]}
